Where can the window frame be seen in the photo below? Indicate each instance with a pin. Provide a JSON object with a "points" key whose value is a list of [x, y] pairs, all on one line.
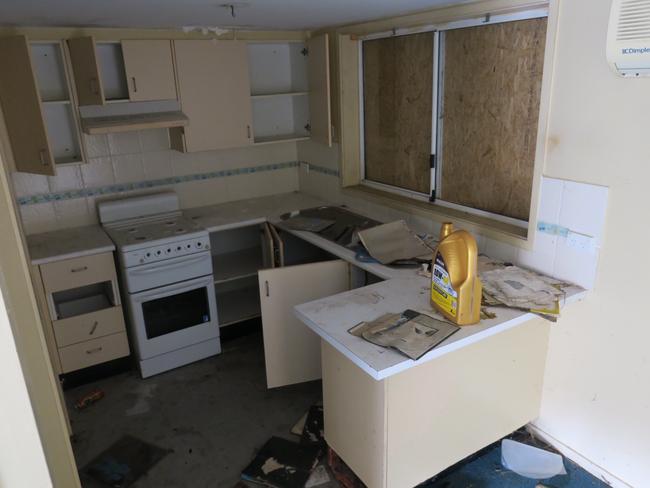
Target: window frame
{"points": [[437, 93]]}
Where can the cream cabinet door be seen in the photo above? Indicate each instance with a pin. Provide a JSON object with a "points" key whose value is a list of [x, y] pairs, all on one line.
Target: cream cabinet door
{"points": [[291, 349], [214, 90], [149, 70], [85, 67], [320, 111], [21, 105]]}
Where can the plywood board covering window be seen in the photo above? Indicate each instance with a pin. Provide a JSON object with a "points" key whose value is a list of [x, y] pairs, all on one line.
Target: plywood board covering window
{"points": [[397, 89], [490, 108]]}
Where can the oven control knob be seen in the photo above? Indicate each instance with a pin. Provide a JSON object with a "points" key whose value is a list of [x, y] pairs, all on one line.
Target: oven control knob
{"points": [[179, 249], [158, 252], [199, 244]]}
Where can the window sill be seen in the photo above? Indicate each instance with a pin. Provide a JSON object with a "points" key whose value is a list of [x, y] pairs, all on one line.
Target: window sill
{"points": [[501, 231]]}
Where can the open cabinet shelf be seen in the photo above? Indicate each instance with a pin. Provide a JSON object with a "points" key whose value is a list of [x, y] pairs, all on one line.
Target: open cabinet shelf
{"points": [[283, 94], [239, 304], [237, 264]]}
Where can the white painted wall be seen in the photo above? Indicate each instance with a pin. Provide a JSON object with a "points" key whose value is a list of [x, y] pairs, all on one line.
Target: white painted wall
{"points": [[597, 399], [22, 462]]}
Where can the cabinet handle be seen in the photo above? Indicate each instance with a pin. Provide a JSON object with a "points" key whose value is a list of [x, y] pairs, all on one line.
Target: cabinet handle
{"points": [[78, 270], [42, 155], [93, 351], [248, 131], [266, 287], [135, 86], [94, 86], [94, 327]]}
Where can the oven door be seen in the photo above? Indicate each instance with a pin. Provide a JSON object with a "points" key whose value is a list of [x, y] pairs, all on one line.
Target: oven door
{"points": [[172, 317]]}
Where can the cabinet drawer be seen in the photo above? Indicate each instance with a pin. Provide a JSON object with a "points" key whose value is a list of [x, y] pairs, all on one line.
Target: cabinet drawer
{"points": [[88, 326], [72, 273], [95, 351]]}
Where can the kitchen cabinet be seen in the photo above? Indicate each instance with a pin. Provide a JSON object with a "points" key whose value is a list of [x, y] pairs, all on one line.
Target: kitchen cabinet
{"points": [[291, 350], [133, 70], [213, 85], [149, 69], [85, 66], [290, 90], [38, 106], [81, 311]]}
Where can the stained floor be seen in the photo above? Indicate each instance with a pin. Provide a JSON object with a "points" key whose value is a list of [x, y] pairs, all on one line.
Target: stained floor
{"points": [[215, 413]]}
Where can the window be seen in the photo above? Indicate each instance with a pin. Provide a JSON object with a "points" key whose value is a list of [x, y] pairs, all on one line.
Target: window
{"points": [[451, 115]]}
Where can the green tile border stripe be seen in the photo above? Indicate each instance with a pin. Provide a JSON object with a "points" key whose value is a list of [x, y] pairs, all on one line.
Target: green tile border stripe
{"points": [[173, 180]]}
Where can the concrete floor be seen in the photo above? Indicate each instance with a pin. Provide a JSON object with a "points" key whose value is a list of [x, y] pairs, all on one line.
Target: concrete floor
{"points": [[216, 413]]}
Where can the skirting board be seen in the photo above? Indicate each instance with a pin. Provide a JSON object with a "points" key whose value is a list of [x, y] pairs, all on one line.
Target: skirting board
{"points": [[577, 458]]}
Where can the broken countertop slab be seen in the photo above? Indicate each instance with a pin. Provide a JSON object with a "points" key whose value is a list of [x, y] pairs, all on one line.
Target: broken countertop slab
{"points": [[331, 318], [70, 243]]}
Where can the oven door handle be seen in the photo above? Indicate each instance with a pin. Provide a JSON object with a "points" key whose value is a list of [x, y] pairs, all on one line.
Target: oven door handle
{"points": [[166, 267], [142, 297]]}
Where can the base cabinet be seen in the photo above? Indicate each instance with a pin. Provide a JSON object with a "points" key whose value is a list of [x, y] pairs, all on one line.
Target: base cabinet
{"points": [[400, 431]]}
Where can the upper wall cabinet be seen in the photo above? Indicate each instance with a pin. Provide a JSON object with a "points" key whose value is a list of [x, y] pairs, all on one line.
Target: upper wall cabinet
{"points": [[139, 70], [290, 90], [149, 70], [37, 103], [213, 85]]}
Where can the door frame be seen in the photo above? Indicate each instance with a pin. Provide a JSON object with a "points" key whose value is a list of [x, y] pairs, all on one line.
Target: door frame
{"points": [[25, 320]]}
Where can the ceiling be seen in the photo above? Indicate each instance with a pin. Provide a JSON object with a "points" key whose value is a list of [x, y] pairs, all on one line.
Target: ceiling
{"points": [[249, 14]]}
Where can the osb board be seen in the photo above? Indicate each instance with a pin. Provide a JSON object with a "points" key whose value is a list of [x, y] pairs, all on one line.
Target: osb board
{"points": [[492, 85], [397, 88]]}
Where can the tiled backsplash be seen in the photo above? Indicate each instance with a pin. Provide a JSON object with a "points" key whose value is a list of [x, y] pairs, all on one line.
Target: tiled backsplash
{"points": [[577, 209], [134, 161]]}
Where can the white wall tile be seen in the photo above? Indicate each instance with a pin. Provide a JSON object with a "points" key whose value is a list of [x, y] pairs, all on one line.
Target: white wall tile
{"points": [[124, 143], [542, 257], [154, 140], [38, 218], [157, 165], [98, 172], [128, 168], [28, 184], [72, 213], [575, 266], [202, 192], [500, 250], [550, 200], [583, 208], [67, 178], [96, 145]]}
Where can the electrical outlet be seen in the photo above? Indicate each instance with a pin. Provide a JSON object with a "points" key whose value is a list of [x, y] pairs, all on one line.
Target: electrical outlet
{"points": [[581, 242]]}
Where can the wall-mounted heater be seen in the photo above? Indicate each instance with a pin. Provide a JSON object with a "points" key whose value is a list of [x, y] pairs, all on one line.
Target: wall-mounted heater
{"points": [[628, 38]]}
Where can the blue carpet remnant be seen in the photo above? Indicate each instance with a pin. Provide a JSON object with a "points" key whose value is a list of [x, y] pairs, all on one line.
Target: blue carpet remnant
{"points": [[484, 470]]}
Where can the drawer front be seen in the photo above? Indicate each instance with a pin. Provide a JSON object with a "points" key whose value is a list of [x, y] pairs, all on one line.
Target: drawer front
{"points": [[95, 351], [72, 273], [88, 326]]}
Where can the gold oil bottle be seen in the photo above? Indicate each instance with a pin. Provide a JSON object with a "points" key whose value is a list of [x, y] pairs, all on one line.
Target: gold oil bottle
{"points": [[455, 286]]}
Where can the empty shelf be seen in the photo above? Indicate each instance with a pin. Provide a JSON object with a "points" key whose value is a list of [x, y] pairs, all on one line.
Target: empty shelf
{"points": [[284, 94], [238, 305], [83, 306], [123, 123], [281, 138], [235, 265]]}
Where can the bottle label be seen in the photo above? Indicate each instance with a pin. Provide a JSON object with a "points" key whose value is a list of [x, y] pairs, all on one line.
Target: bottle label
{"points": [[442, 293]]}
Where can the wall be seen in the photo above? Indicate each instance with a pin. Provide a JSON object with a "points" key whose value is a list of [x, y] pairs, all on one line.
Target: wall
{"points": [[131, 161], [596, 398]]}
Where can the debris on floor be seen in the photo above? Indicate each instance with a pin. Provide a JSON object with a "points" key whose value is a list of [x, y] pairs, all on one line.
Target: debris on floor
{"points": [[123, 463], [318, 477], [312, 432], [299, 426], [530, 461], [282, 464], [342, 472], [88, 399]]}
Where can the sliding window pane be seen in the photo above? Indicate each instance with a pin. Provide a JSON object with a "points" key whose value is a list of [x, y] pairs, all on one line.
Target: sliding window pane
{"points": [[397, 91], [491, 93]]}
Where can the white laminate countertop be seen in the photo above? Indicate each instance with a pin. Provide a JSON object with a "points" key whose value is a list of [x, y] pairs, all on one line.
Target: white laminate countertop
{"points": [[254, 211], [332, 317], [68, 244]]}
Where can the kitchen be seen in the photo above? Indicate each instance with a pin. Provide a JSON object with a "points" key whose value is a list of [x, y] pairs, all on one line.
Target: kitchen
{"points": [[119, 131]]}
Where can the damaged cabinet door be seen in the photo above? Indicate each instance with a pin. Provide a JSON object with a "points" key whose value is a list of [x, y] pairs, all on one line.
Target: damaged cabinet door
{"points": [[319, 89], [291, 349]]}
